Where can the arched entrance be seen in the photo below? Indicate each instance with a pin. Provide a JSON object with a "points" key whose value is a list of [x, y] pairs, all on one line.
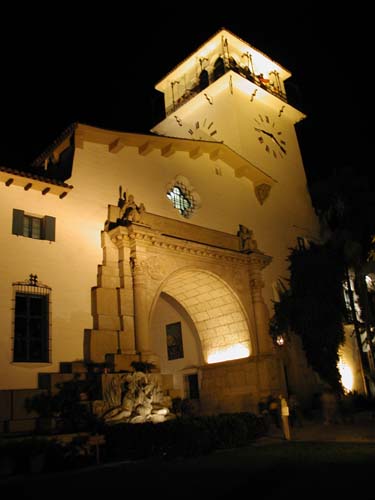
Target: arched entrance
{"points": [[196, 319], [163, 280], [215, 311]]}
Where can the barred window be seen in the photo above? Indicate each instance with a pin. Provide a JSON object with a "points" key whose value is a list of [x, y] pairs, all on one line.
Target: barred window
{"points": [[31, 322]]}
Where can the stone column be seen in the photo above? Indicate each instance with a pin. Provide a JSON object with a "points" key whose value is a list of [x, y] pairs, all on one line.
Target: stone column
{"points": [[256, 264], [142, 337]]}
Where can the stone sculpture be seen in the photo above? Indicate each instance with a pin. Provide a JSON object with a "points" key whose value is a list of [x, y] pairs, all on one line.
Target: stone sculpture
{"points": [[247, 242], [133, 398], [129, 210]]}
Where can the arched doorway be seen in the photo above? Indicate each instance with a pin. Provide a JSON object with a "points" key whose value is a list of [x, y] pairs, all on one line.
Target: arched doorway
{"points": [[196, 319]]}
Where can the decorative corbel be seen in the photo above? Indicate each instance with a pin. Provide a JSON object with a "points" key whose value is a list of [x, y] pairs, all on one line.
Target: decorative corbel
{"points": [[261, 192]]}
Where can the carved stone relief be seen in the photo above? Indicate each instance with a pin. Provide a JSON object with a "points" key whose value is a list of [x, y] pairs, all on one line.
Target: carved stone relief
{"points": [[157, 267]]}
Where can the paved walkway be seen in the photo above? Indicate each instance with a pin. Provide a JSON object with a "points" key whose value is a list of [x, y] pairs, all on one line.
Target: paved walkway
{"points": [[361, 429]]}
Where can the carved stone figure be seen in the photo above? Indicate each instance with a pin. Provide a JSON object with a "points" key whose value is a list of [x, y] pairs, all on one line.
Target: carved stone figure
{"points": [[122, 198], [129, 210], [112, 391], [247, 243]]}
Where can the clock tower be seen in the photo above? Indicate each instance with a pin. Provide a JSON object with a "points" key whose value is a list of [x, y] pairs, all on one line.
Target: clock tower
{"points": [[230, 97], [230, 92]]}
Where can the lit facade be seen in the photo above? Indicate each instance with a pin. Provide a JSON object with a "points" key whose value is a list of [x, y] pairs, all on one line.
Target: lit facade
{"points": [[120, 279]]}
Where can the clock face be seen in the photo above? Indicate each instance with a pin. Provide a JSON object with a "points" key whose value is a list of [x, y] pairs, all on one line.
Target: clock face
{"points": [[269, 135], [204, 130]]}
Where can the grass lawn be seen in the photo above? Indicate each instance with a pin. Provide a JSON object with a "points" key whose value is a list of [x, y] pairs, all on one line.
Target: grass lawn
{"points": [[287, 470]]}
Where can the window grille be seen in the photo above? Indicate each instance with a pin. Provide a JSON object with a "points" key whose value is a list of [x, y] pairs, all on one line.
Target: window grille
{"points": [[180, 201], [31, 342], [183, 196]]}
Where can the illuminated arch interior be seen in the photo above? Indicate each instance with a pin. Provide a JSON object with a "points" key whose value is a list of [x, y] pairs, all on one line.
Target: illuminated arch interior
{"points": [[216, 313]]}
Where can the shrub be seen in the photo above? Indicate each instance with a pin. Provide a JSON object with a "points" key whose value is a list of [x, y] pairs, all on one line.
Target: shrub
{"points": [[185, 437], [74, 414], [69, 455]]}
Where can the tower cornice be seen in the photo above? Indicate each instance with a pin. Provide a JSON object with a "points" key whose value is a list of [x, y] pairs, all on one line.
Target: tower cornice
{"points": [[213, 45]]}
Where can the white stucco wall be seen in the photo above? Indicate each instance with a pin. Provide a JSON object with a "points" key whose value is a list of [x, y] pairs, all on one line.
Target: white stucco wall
{"points": [[67, 265], [227, 200]]}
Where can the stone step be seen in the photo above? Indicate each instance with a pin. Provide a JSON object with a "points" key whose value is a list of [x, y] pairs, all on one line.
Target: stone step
{"points": [[120, 362], [73, 367], [49, 381], [26, 425]]}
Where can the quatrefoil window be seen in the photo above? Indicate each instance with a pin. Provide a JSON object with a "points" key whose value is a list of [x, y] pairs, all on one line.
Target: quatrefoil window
{"points": [[183, 196], [179, 201]]}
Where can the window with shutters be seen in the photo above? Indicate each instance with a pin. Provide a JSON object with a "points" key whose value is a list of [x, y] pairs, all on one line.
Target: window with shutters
{"points": [[33, 226], [31, 322]]}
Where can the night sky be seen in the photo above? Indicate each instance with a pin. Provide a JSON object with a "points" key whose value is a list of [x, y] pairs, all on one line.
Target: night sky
{"points": [[99, 67]]}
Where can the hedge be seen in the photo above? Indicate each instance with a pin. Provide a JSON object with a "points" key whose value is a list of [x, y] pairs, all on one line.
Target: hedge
{"points": [[182, 437]]}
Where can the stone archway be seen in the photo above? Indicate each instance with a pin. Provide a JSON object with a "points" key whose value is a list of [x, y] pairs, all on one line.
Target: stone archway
{"points": [[211, 324], [217, 282]]}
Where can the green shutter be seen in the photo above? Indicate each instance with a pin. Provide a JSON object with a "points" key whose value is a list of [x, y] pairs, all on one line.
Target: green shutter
{"points": [[49, 228], [17, 226]]}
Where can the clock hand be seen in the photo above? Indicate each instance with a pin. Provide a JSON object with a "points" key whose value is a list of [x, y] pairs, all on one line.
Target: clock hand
{"points": [[272, 137], [266, 133], [263, 131], [277, 143], [280, 146]]}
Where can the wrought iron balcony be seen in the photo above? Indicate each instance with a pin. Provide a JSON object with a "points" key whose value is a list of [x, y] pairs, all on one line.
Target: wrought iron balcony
{"points": [[207, 77]]}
